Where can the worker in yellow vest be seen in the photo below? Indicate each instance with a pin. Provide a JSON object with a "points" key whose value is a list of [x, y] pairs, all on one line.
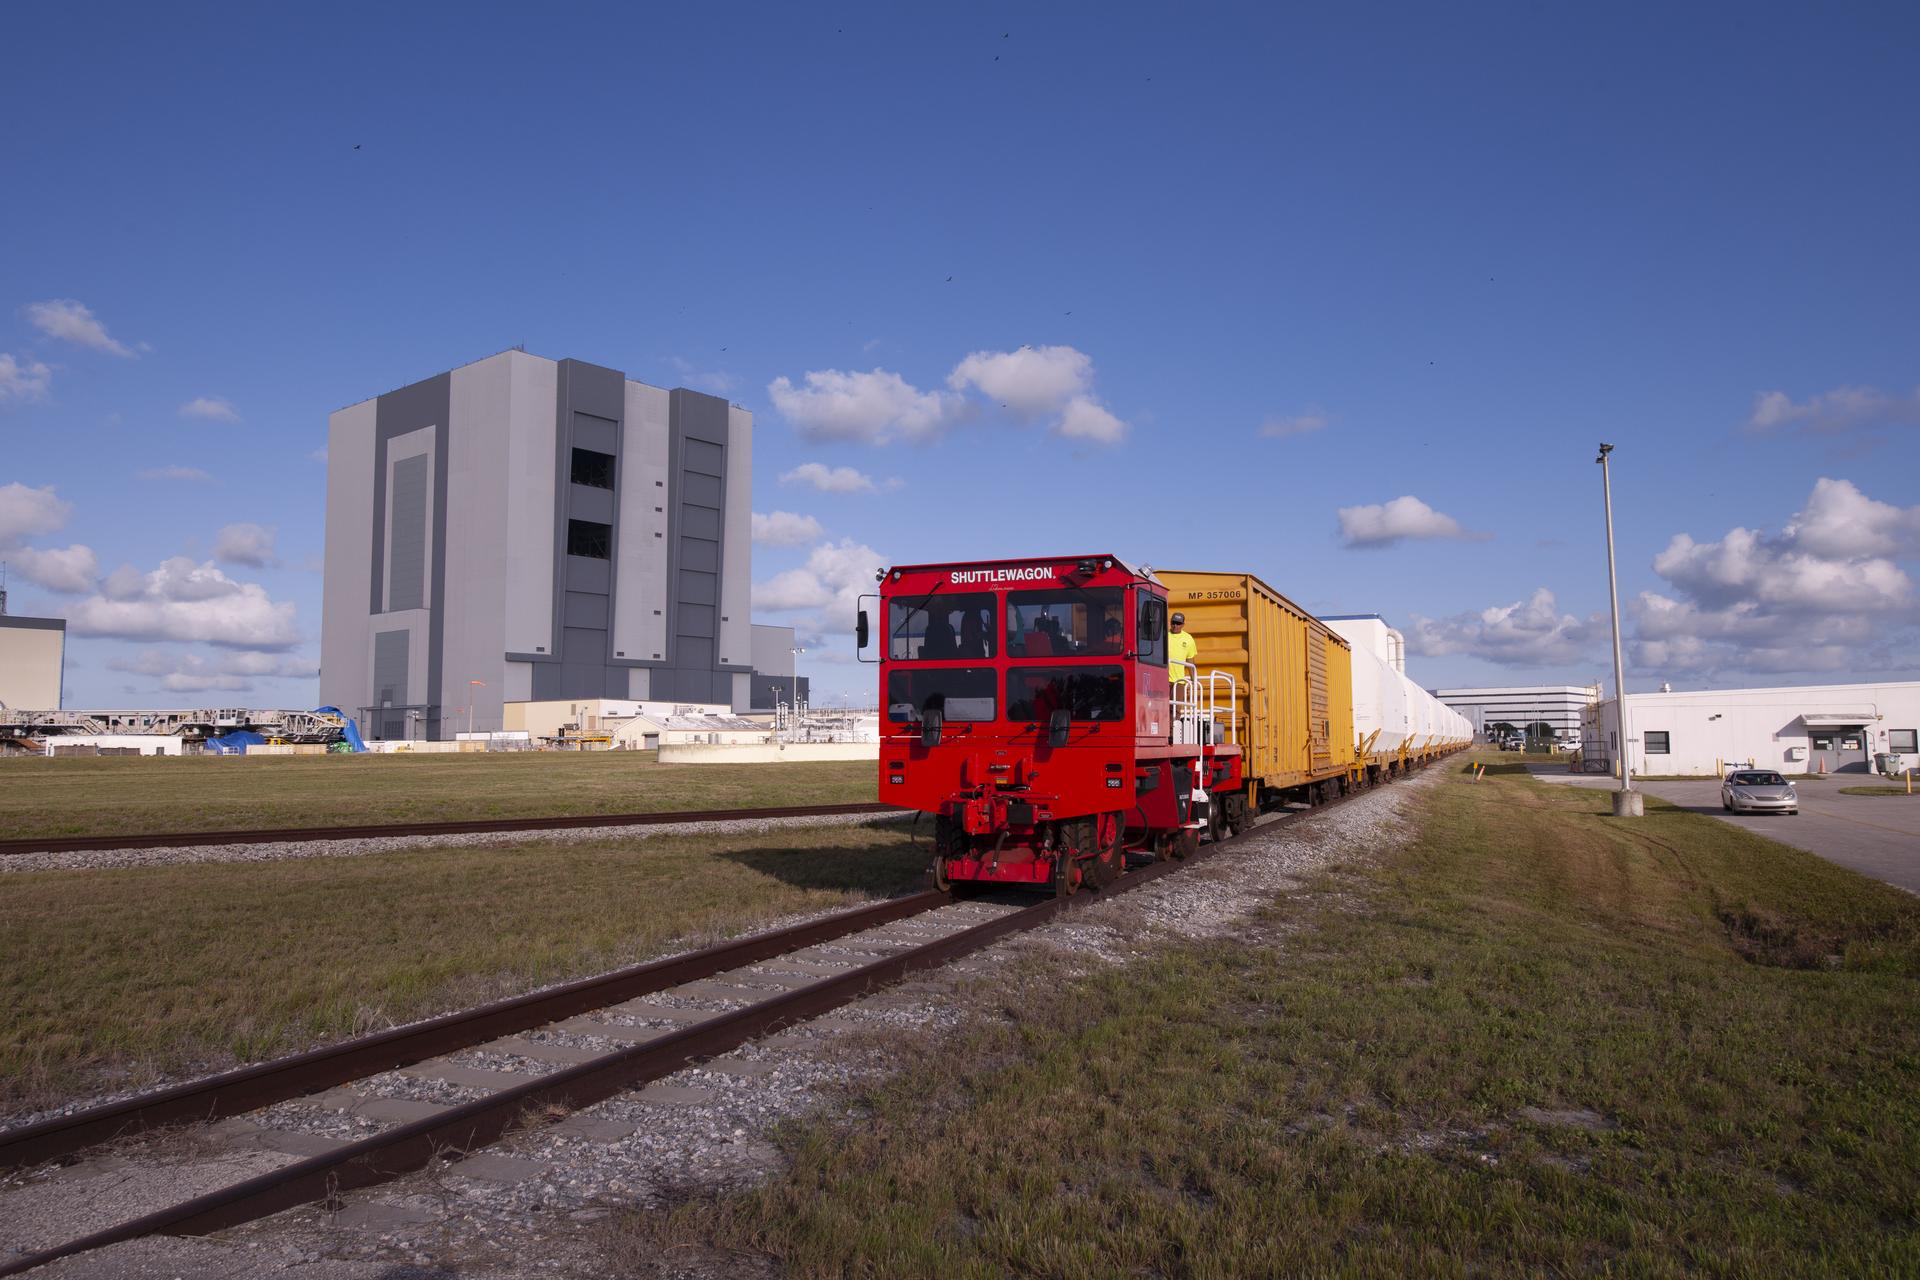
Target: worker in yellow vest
{"points": [[1181, 649]]}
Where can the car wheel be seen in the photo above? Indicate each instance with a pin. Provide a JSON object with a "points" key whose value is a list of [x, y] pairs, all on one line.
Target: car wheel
{"points": [[1794, 812]]}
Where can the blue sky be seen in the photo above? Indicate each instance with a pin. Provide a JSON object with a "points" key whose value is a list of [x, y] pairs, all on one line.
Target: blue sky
{"points": [[1342, 297]]}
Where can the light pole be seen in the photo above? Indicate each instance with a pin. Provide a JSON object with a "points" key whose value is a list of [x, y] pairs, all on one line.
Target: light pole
{"points": [[471, 696], [1627, 802]]}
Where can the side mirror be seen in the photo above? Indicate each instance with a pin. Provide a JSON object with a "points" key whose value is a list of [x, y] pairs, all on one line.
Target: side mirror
{"points": [[861, 632], [932, 720], [1058, 725]]}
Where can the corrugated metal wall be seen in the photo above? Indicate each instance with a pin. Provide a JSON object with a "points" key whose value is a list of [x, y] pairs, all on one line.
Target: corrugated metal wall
{"points": [[1295, 675]]}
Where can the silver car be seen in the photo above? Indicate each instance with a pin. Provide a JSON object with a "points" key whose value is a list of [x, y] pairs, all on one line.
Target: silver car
{"points": [[1758, 791]]}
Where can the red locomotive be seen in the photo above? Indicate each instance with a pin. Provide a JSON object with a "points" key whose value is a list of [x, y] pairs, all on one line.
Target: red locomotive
{"points": [[1027, 705]]}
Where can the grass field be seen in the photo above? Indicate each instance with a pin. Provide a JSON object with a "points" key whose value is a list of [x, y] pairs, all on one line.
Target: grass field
{"points": [[1890, 789], [110, 978], [1537, 1041], [89, 796]]}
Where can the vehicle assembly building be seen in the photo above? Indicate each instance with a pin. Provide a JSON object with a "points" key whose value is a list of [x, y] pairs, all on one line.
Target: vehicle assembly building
{"points": [[523, 529]]}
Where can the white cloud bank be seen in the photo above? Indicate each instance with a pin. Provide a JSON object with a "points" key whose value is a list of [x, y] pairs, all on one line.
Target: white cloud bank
{"points": [[1278, 427], [1052, 384], [185, 601], [831, 479], [1534, 632], [823, 595], [1836, 412], [23, 380], [27, 512], [228, 672], [1827, 594], [211, 408], [245, 544], [1405, 518], [71, 321], [785, 529]]}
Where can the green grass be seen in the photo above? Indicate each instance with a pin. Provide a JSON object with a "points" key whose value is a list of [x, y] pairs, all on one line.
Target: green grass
{"points": [[108, 978], [1888, 790], [89, 796], [1537, 1041]]}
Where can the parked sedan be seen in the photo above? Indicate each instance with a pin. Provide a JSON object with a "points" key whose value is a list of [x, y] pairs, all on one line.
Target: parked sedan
{"points": [[1758, 791]]}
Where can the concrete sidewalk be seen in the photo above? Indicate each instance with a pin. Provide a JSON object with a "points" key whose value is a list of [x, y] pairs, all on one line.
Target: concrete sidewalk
{"points": [[1877, 836]]}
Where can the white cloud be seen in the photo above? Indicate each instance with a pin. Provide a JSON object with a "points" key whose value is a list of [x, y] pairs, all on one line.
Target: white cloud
{"points": [[319, 455], [1086, 419], [174, 473], [872, 407], [829, 479], [1834, 412], [212, 408], [785, 529], [69, 570], [1827, 594], [1278, 427], [875, 407], [26, 513], [185, 601], [1406, 517], [245, 544], [23, 380], [713, 381], [1526, 633], [71, 321], [1032, 382], [1039, 382], [824, 594], [228, 672]]}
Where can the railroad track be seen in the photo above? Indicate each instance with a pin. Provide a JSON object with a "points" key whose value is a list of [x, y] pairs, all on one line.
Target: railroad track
{"points": [[470, 826], [581, 1077]]}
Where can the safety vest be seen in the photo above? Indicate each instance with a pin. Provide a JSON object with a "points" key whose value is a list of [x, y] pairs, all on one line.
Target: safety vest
{"points": [[1180, 648]]}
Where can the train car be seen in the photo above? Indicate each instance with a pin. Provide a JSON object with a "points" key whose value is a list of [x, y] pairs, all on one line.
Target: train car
{"points": [[1026, 705], [1397, 725], [1294, 720]]}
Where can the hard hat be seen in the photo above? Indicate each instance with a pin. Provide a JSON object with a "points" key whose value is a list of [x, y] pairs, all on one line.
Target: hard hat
{"points": [[1179, 617]]}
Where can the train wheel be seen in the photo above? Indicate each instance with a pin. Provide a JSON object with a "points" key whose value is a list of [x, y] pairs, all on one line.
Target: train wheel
{"points": [[1216, 821], [1186, 843], [1109, 860], [1066, 873]]}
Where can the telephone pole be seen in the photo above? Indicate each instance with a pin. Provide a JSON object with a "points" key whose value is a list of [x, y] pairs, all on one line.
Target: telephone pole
{"points": [[1627, 803]]}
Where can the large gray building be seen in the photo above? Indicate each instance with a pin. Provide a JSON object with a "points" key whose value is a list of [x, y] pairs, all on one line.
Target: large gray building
{"points": [[546, 528]]}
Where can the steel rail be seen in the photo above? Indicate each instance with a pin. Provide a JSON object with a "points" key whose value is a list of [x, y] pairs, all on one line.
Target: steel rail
{"points": [[249, 1088], [466, 1128], [459, 827]]}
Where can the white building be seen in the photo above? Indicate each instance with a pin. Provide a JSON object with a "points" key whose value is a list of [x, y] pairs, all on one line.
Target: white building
{"points": [[1835, 728], [1562, 707]]}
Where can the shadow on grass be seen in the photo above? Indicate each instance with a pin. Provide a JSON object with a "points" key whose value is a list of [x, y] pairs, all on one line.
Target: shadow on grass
{"points": [[889, 870]]}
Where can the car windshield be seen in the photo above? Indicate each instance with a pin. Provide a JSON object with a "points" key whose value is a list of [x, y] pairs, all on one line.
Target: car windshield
{"points": [[1066, 622], [1758, 779], [1084, 692], [941, 627]]}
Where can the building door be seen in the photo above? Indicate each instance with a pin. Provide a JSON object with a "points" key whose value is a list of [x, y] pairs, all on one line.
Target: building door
{"points": [[1844, 750]]}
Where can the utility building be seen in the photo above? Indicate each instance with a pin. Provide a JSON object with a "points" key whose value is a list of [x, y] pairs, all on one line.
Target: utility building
{"points": [[32, 661], [523, 529], [1833, 728], [1540, 712]]}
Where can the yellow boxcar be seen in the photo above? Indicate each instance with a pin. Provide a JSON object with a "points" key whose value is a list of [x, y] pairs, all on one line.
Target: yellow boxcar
{"points": [[1293, 673]]}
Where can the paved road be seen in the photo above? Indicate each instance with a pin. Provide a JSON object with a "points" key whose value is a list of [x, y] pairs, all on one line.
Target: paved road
{"points": [[1877, 836]]}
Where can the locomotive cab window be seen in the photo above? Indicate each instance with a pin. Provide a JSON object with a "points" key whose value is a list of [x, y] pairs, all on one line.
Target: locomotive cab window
{"points": [[1152, 642], [941, 627], [1089, 693], [958, 693], [1066, 623]]}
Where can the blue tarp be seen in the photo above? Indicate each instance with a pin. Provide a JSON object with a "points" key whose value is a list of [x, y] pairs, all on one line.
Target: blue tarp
{"points": [[235, 743], [351, 733]]}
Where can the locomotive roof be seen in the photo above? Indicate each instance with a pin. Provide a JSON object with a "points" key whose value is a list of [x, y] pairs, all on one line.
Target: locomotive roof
{"points": [[938, 565]]}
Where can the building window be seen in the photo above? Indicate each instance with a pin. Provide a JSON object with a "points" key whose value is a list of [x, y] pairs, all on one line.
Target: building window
{"points": [[1904, 741], [593, 469], [1657, 743], [590, 538]]}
